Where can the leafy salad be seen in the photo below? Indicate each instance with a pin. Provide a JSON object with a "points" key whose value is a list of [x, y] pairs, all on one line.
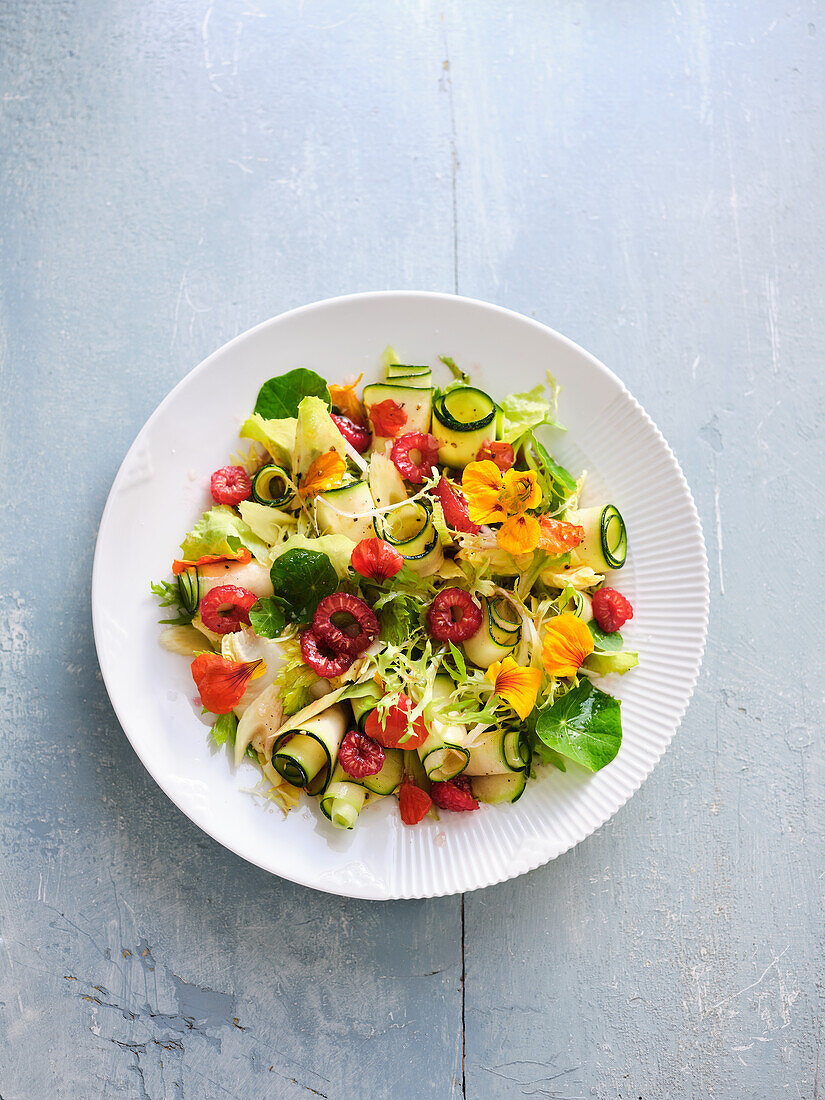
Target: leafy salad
{"points": [[398, 592]]}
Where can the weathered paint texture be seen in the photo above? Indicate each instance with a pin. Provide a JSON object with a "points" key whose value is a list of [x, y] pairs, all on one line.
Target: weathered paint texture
{"points": [[647, 178]]}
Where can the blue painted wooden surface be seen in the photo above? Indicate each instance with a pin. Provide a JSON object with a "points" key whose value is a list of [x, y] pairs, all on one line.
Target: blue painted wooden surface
{"points": [[646, 178]]}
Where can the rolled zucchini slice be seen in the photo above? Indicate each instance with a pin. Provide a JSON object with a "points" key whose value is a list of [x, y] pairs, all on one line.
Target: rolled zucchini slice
{"points": [[443, 753], [189, 589], [604, 545], [345, 797], [497, 636], [304, 757], [495, 789], [401, 374], [463, 418], [343, 800], [364, 702], [506, 750], [270, 486], [410, 529], [346, 511], [417, 403]]}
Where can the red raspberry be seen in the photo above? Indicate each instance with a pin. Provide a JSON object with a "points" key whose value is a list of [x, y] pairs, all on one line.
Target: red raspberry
{"points": [[320, 658], [415, 456], [413, 803], [501, 453], [454, 616], [360, 756], [454, 794], [358, 437], [394, 731], [454, 505], [231, 485], [611, 610], [356, 633], [376, 560], [225, 609]]}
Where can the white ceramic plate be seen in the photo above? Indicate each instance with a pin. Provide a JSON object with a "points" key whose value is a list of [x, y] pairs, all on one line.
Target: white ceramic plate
{"points": [[162, 487]]}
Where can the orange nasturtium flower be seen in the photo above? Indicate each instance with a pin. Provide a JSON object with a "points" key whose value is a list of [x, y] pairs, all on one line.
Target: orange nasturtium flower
{"points": [[388, 418], [180, 565], [221, 682], [326, 472], [519, 535], [516, 685], [557, 537], [496, 496], [567, 643], [346, 399]]}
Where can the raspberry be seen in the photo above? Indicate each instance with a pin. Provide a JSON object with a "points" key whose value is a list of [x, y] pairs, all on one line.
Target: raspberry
{"points": [[320, 658], [376, 560], [393, 731], [358, 437], [415, 456], [454, 507], [225, 609], [231, 485], [501, 453], [358, 630], [360, 755], [387, 417], [454, 616], [454, 794], [413, 803], [611, 610]]}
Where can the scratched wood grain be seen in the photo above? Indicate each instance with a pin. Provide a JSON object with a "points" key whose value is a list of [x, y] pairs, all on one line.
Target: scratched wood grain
{"points": [[647, 179]]}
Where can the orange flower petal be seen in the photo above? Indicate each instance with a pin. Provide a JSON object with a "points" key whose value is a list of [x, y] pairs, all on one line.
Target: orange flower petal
{"points": [[388, 418], [221, 682], [326, 472], [516, 685], [519, 535], [520, 491], [346, 399], [566, 644], [501, 453], [557, 537], [180, 565], [481, 483]]}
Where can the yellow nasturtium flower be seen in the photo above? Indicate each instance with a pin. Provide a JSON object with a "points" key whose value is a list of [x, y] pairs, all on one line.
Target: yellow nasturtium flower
{"points": [[516, 685], [494, 496], [567, 643]]}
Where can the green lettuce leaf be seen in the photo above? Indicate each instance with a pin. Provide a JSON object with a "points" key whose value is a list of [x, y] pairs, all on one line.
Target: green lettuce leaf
{"points": [[603, 664], [584, 725], [267, 617], [315, 434], [389, 356], [280, 397], [294, 679], [604, 642], [220, 531], [522, 412], [224, 728], [301, 579], [270, 524], [338, 548], [278, 436]]}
